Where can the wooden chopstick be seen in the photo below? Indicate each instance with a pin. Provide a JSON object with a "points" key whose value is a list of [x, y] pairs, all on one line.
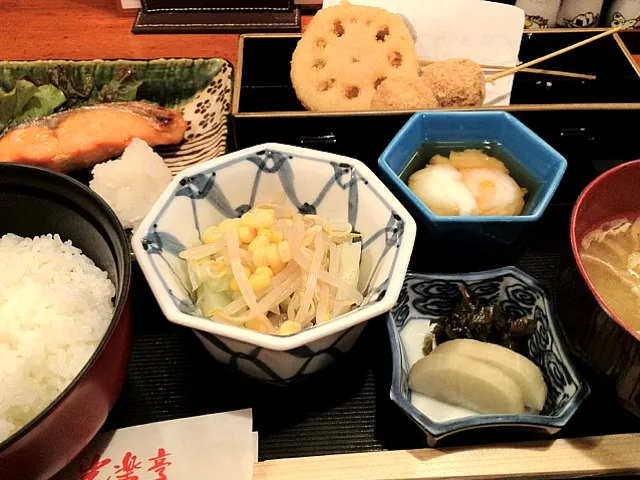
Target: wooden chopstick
{"points": [[554, 73], [513, 70], [566, 458]]}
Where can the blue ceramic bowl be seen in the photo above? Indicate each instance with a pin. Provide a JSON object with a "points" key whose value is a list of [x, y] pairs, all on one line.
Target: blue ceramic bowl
{"points": [[428, 296], [312, 182], [539, 168]]}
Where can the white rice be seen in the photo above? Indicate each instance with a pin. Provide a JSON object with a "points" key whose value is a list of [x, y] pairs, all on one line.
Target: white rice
{"points": [[55, 306], [132, 183]]}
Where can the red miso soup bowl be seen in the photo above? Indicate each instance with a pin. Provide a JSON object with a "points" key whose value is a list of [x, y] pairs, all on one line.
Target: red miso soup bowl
{"points": [[35, 201], [596, 335]]}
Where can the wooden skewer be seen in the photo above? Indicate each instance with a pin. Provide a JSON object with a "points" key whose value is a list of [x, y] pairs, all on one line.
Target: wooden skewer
{"points": [[554, 73], [513, 70]]}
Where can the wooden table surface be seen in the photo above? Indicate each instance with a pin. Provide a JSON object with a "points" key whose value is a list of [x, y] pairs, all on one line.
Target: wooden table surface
{"points": [[88, 29]]}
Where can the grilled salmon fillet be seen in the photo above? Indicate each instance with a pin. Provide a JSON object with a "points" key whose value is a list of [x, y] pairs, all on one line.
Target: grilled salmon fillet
{"points": [[85, 136]]}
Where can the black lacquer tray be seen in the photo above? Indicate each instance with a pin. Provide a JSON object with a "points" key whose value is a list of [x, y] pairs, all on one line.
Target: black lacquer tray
{"points": [[346, 408]]}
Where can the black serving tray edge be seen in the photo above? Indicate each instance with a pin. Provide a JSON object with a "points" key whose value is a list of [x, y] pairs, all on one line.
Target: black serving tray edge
{"points": [[235, 103]]}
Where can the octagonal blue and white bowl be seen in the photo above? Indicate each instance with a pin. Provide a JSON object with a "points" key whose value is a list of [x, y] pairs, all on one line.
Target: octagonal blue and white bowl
{"points": [[425, 297], [341, 188]]}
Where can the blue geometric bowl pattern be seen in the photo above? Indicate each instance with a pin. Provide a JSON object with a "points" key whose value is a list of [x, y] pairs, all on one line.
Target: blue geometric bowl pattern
{"points": [[276, 367], [426, 297], [313, 183]]}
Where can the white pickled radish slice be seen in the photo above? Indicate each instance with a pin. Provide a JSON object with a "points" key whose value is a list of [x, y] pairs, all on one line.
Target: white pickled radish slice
{"points": [[522, 370], [466, 382]]}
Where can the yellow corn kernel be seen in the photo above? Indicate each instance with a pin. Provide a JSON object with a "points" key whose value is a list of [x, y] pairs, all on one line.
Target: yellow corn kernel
{"points": [[276, 236], [265, 217], [274, 259], [218, 266], [264, 271], [259, 282], [272, 254], [260, 258], [229, 225], [289, 327], [211, 235], [259, 241], [246, 234], [257, 325], [284, 251], [249, 220], [224, 223], [234, 283]]}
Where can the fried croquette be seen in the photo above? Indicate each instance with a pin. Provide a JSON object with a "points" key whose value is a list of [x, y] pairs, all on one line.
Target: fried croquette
{"points": [[403, 93], [456, 82]]}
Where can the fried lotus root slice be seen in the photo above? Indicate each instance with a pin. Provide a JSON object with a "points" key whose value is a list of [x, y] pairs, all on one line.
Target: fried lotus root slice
{"points": [[346, 52], [456, 82], [403, 93], [343, 90]]}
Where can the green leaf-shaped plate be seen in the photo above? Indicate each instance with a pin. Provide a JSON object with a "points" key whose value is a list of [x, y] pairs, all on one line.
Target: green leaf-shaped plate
{"points": [[200, 88]]}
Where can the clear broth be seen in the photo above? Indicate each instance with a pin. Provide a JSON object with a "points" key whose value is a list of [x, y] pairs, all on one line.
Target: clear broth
{"points": [[427, 150]]}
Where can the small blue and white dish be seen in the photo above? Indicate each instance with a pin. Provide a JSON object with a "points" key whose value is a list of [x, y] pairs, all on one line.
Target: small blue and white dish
{"points": [[428, 296], [341, 188], [539, 168]]}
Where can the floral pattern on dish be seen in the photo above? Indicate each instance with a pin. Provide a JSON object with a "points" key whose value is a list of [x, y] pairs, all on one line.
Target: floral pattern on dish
{"points": [[425, 297]]}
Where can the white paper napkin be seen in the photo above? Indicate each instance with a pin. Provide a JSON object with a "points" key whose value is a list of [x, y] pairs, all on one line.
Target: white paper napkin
{"points": [[211, 447], [486, 32]]}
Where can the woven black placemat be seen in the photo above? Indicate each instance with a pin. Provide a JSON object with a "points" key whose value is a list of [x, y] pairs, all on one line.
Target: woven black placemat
{"points": [[345, 408]]}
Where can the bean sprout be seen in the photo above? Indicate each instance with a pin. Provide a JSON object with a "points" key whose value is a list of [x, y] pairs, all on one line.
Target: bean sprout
{"points": [[275, 269]]}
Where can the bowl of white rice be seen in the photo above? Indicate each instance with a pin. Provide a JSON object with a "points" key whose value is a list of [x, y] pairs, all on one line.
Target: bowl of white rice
{"points": [[65, 329]]}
